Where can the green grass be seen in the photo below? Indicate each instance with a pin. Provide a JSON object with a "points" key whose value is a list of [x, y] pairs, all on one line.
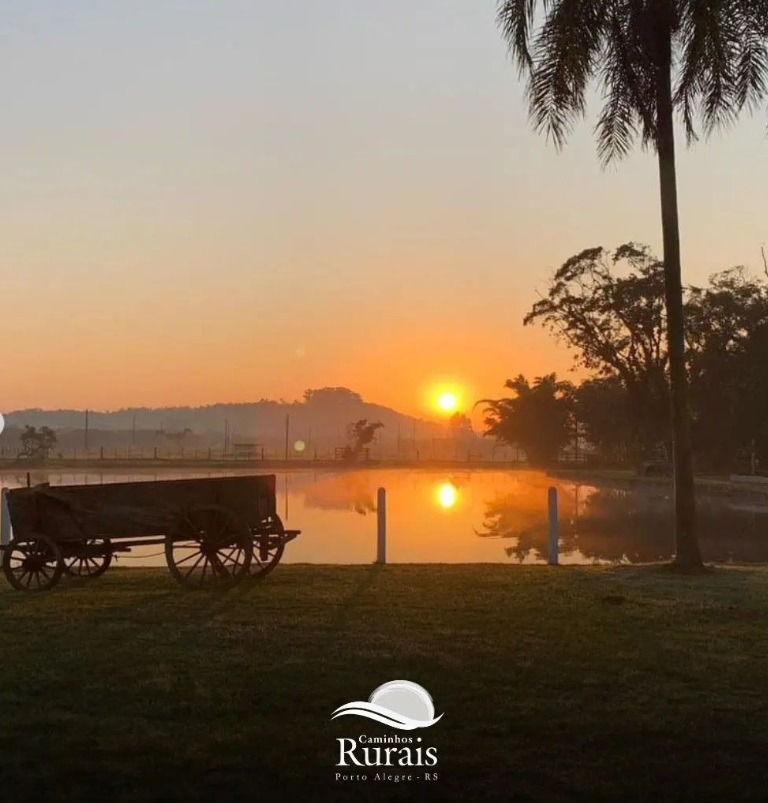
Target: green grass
{"points": [[555, 683]]}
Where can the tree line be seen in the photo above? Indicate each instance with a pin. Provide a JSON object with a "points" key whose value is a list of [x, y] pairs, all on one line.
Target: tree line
{"points": [[607, 307], [705, 63]]}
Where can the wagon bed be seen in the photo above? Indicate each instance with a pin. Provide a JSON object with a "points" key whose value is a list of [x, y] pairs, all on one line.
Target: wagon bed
{"points": [[213, 530]]}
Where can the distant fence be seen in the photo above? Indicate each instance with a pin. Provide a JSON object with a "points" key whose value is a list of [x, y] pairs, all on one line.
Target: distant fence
{"points": [[265, 454], [307, 455]]}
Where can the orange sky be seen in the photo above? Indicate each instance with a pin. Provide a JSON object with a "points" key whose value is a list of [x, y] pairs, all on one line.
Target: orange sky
{"points": [[202, 202]]}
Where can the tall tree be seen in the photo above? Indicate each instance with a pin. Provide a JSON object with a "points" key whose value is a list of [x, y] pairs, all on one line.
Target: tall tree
{"points": [[460, 427], [727, 325], [707, 59], [37, 443], [615, 324], [602, 407], [361, 435], [537, 418]]}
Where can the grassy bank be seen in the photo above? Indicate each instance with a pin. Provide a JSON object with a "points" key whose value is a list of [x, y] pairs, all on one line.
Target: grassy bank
{"points": [[709, 484], [556, 684]]}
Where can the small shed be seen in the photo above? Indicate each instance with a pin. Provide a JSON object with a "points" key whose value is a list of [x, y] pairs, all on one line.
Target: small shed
{"points": [[245, 451]]}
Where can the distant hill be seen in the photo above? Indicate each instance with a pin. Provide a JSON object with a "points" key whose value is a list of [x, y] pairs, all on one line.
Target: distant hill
{"points": [[321, 418]]}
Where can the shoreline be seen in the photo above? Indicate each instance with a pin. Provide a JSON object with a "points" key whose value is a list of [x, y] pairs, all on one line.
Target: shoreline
{"points": [[628, 479], [101, 464], [719, 485]]}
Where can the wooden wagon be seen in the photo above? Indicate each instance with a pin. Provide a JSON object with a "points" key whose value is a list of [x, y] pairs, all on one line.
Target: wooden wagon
{"points": [[214, 530]]}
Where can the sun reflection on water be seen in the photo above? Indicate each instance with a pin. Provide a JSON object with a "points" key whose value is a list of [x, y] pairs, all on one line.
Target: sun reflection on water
{"points": [[447, 495]]}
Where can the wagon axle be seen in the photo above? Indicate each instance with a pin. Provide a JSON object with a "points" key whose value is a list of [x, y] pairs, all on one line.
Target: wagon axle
{"points": [[33, 563]]}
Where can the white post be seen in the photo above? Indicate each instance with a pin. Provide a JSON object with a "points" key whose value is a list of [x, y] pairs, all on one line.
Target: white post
{"points": [[554, 529], [381, 541], [5, 518]]}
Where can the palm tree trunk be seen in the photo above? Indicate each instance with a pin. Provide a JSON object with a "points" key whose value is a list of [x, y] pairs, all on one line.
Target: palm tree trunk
{"points": [[687, 555]]}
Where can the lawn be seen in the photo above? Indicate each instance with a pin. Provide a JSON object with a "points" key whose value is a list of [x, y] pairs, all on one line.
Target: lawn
{"points": [[556, 684]]}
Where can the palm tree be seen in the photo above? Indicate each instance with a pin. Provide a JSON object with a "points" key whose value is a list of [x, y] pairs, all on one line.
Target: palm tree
{"points": [[538, 417], [706, 59]]}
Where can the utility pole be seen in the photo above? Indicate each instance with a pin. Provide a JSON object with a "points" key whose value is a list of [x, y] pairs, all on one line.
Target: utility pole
{"points": [[86, 433], [133, 433], [226, 435]]}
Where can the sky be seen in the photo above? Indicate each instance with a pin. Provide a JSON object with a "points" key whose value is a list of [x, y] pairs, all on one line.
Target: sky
{"points": [[218, 201]]}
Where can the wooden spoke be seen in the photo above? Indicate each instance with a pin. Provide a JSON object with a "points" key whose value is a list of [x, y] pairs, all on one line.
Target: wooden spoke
{"points": [[33, 563], [88, 558], [268, 545], [208, 545]]}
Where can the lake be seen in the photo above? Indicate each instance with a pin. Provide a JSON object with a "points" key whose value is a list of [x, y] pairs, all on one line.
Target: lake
{"points": [[470, 517]]}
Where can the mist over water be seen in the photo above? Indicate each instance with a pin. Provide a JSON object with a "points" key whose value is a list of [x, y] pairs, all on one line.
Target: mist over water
{"points": [[471, 517]]}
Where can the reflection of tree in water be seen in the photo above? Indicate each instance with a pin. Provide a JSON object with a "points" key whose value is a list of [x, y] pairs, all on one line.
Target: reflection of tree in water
{"points": [[35, 478], [513, 517], [617, 524], [351, 491]]}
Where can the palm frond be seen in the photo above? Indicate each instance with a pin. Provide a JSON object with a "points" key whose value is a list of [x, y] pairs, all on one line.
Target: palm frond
{"points": [[719, 62], [565, 54], [722, 60], [623, 74], [515, 18], [751, 69]]}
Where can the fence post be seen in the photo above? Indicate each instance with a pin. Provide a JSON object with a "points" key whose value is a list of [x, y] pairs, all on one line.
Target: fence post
{"points": [[381, 541], [5, 518], [554, 528]]}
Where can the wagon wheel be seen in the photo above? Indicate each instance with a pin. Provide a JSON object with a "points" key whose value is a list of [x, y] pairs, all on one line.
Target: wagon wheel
{"points": [[33, 563], [208, 544], [92, 558], [268, 545]]}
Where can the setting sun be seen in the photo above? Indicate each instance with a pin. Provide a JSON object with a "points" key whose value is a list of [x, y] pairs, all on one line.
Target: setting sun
{"points": [[447, 402]]}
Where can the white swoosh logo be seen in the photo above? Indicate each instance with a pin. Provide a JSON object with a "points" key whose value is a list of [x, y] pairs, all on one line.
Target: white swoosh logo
{"points": [[386, 716]]}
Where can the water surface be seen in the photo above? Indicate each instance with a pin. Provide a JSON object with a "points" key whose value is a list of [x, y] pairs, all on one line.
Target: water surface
{"points": [[469, 517]]}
